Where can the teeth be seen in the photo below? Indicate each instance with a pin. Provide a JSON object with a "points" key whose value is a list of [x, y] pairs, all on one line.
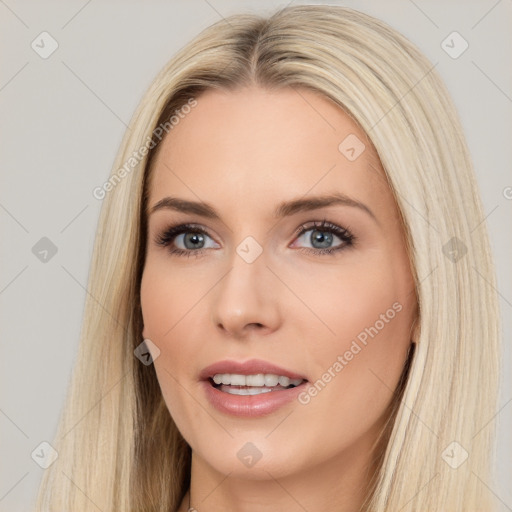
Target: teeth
{"points": [[251, 380], [271, 380], [247, 391], [284, 381], [235, 380], [257, 380]]}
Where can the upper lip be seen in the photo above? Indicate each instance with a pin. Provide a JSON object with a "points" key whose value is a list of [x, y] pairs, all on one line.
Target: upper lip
{"points": [[250, 367]]}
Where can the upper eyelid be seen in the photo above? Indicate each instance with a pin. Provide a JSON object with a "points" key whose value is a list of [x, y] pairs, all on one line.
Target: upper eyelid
{"points": [[303, 226]]}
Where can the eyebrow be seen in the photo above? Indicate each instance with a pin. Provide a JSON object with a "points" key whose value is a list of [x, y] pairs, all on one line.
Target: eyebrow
{"points": [[284, 209]]}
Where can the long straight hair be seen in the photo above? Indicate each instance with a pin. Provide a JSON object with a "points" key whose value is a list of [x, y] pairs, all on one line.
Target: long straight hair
{"points": [[119, 449]]}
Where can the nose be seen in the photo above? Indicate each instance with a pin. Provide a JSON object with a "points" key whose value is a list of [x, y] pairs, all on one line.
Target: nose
{"points": [[246, 300]]}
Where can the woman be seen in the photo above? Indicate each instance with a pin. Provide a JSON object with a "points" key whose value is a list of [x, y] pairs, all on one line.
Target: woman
{"points": [[288, 228]]}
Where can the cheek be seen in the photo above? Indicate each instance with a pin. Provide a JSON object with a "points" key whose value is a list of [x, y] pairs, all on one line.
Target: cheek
{"points": [[167, 297], [348, 300], [366, 309]]}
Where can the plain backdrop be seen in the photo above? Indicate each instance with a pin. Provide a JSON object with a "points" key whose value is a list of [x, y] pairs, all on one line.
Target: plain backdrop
{"points": [[62, 119]]}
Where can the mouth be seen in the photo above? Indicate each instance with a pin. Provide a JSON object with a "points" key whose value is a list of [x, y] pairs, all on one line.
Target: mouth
{"points": [[251, 388], [255, 384]]}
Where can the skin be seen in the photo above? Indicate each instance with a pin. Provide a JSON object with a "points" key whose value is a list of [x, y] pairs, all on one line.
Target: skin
{"points": [[244, 152]]}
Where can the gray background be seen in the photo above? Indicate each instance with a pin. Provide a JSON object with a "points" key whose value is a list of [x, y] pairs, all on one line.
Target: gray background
{"points": [[62, 119]]}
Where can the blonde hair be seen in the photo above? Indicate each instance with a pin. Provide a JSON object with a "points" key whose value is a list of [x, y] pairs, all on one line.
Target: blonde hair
{"points": [[119, 449]]}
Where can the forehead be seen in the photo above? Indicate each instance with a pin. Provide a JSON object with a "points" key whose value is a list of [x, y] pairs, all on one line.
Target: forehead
{"points": [[252, 146]]}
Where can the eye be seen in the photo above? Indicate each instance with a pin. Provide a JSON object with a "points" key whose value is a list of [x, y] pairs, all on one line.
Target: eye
{"points": [[190, 239], [322, 236]]}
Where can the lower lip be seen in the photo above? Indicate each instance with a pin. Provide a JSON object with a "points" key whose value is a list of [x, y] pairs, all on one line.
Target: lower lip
{"points": [[250, 405]]}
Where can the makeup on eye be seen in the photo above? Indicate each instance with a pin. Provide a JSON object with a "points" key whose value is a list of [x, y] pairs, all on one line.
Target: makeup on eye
{"points": [[168, 236]]}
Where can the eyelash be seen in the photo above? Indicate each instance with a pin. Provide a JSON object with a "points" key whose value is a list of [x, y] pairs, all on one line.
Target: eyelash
{"points": [[168, 235]]}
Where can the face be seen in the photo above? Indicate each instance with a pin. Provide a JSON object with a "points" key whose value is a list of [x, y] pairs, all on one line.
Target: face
{"points": [[323, 290]]}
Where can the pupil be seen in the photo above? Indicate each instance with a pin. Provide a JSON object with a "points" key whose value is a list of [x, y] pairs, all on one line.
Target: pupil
{"points": [[319, 236]]}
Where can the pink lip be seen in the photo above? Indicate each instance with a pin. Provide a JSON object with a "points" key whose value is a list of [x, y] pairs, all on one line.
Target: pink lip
{"points": [[249, 405], [251, 367]]}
